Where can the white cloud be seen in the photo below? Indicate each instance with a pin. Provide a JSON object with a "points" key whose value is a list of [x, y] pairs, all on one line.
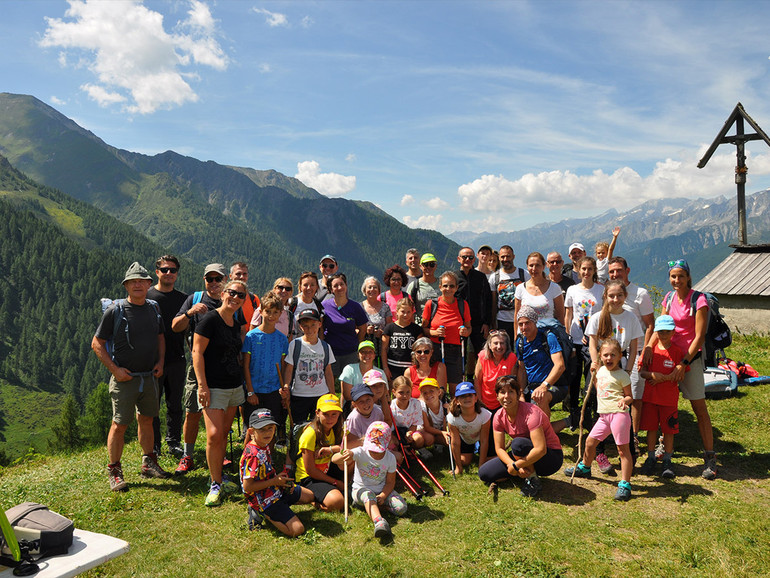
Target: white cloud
{"points": [[306, 22], [273, 19], [424, 222], [622, 189], [57, 101], [351, 158], [491, 224], [135, 60], [265, 68], [407, 200], [436, 203], [329, 184]]}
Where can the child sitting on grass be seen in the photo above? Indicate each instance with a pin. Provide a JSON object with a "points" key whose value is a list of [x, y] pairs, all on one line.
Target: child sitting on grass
{"points": [[430, 400], [374, 479], [268, 494], [661, 396], [364, 413], [613, 395], [408, 415], [375, 379], [469, 423]]}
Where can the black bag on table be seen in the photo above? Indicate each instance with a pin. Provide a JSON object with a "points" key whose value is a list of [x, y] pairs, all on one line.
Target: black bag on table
{"points": [[40, 531]]}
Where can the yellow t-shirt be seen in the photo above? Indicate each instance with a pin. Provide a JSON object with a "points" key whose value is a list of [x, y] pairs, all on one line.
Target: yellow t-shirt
{"points": [[307, 442]]}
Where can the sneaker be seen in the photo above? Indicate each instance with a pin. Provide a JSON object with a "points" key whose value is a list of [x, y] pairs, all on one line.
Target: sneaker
{"points": [[424, 454], [710, 471], [117, 483], [648, 467], [214, 497], [185, 465], [668, 471], [229, 487], [151, 468], [381, 528], [531, 487], [254, 520], [580, 471], [604, 464], [660, 449], [624, 493], [175, 449]]}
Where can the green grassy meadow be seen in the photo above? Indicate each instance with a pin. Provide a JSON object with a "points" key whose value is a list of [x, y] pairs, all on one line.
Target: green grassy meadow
{"points": [[685, 527]]}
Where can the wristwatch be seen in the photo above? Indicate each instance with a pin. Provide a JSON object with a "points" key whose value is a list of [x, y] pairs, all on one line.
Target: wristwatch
{"points": [[250, 394]]}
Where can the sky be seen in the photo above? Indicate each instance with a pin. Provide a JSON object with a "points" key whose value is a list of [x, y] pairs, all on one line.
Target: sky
{"points": [[449, 115]]}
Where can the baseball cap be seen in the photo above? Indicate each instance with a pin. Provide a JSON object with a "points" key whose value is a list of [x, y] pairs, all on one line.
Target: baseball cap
{"points": [[576, 246], [261, 417], [428, 258], [487, 247], [364, 344], [359, 391], [332, 257], [464, 388], [665, 323], [215, 268], [308, 314], [428, 382], [374, 376], [328, 402]]}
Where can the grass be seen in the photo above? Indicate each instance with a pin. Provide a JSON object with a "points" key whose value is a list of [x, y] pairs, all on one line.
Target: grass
{"points": [[685, 527]]}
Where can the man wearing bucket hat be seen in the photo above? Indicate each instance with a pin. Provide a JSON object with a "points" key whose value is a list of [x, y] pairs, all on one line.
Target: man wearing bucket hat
{"points": [[134, 356], [426, 287]]}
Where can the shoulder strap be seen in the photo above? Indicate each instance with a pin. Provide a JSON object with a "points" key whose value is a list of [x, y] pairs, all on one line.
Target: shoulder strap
{"points": [[521, 274], [383, 297], [326, 352], [295, 361], [253, 300], [414, 291], [319, 305], [694, 302], [667, 301], [293, 302], [497, 279], [433, 309], [461, 309]]}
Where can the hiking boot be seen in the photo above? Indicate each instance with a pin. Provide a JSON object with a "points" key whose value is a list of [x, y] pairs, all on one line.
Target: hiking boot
{"points": [[214, 497], [117, 483], [648, 467], [185, 465], [175, 449], [228, 486], [254, 520], [531, 486], [624, 493], [660, 449], [381, 528], [604, 464], [668, 471], [710, 471], [580, 471], [151, 468], [574, 419]]}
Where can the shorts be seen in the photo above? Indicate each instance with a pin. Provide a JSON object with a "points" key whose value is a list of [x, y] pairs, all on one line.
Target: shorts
{"points": [[341, 361], [224, 398], [618, 424], [191, 404], [637, 383], [128, 400], [319, 488], [452, 359], [654, 415], [394, 503], [558, 393], [280, 511], [303, 408], [693, 386]]}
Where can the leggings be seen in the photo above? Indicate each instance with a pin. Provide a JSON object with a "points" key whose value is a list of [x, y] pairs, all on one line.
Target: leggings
{"points": [[495, 469]]}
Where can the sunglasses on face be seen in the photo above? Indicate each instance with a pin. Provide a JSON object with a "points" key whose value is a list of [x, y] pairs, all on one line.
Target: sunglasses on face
{"points": [[328, 265], [554, 262], [422, 352], [234, 293], [283, 288], [448, 286], [429, 264], [214, 279], [168, 269], [467, 257]]}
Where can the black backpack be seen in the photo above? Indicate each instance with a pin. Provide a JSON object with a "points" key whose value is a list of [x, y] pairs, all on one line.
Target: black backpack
{"points": [[434, 309], [292, 308], [551, 325], [718, 334], [298, 351]]}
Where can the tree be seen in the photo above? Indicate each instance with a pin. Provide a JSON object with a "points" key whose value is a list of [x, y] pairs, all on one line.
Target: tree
{"points": [[66, 428], [97, 418]]}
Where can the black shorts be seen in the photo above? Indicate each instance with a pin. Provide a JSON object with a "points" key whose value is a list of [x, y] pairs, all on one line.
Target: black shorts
{"points": [[280, 511], [319, 488]]}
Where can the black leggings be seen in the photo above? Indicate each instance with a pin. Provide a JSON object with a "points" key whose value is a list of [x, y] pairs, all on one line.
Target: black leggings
{"points": [[495, 470]]}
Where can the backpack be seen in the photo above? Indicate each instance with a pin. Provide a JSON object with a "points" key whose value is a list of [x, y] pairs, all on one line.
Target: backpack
{"points": [[38, 532], [296, 354], [434, 309], [506, 298], [384, 296], [551, 325], [119, 315], [718, 334], [292, 308]]}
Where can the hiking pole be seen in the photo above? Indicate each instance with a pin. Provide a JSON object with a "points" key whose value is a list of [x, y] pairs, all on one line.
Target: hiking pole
{"points": [[287, 401], [430, 474], [345, 465], [451, 455], [462, 354], [580, 431]]}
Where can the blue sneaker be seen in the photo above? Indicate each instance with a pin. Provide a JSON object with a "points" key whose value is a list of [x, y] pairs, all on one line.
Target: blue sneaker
{"points": [[624, 492], [531, 487], [580, 471]]}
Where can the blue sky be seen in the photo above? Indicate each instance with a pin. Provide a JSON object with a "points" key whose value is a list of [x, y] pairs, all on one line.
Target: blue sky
{"points": [[449, 115]]}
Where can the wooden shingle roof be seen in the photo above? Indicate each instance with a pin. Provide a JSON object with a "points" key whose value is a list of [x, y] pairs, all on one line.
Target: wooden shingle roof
{"points": [[745, 272]]}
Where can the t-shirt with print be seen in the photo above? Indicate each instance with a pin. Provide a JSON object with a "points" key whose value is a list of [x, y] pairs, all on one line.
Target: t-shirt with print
{"points": [[223, 367], [409, 417], [265, 349], [358, 424], [584, 303], [664, 361], [528, 417], [309, 377], [470, 431], [307, 441], [542, 304], [371, 473], [504, 286], [400, 344], [684, 333], [257, 464], [609, 389], [625, 328]]}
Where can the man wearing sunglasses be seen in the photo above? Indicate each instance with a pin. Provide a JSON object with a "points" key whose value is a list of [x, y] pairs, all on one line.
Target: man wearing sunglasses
{"points": [[193, 308], [426, 287], [328, 267], [171, 383]]}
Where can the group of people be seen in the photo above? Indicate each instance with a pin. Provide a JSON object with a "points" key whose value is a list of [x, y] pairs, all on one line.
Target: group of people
{"points": [[353, 377]]}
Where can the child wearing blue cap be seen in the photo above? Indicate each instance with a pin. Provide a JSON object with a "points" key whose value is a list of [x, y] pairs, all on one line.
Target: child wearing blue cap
{"points": [[661, 396], [468, 423]]}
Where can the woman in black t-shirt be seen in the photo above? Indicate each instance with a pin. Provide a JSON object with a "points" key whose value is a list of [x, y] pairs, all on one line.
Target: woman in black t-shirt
{"points": [[216, 360]]}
